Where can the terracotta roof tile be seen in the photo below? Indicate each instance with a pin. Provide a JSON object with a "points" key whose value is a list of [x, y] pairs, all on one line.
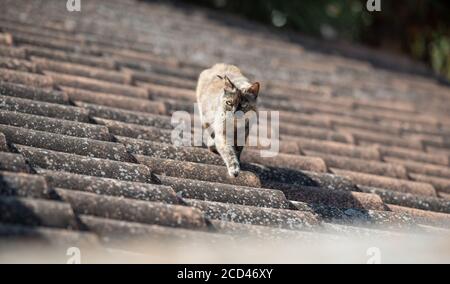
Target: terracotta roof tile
{"points": [[438, 151], [397, 105], [290, 129], [412, 127], [23, 185], [82, 70], [258, 232], [43, 109], [52, 160], [306, 107], [97, 85], [436, 140], [54, 125], [279, 218], [360, 165], [424, 217], [401, 154], [3, 145], [18, 65], [31, 93], [41, 41], [299, 88], [422, 168], [159, 92], [322, 102], [145, 58], [15, 52], [285, 146], [364, 137], [444, 195], [337, 148], [403, 186], [136, 131], [339, 121], [111, 100], [35, 80], [115, 231], [303, 119], [294, 162], [30, 30], [198, 171], [153, 78], [443, 146], [177, 105], [69, 57], [410, 200], [68, 144], [441, 184], [36, 212], [395, 115], [132, 210], [333, 197], [360, 217], [278, 178], [169, 151], [86, 152], [141, 65], [127, 116], [295, 132], [112, 187], [13, 162], [226, 193]]}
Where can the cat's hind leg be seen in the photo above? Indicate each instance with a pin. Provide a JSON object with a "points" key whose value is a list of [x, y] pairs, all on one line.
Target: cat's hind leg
{"points": [[212, 146], [210, 142], [239, 150]]}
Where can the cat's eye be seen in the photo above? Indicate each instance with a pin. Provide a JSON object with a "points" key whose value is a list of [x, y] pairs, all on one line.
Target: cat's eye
{"points": [[229, 103]]}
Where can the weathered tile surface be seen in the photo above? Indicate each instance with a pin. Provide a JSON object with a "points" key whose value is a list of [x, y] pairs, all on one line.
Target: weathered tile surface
{"points": [[86, 152]]}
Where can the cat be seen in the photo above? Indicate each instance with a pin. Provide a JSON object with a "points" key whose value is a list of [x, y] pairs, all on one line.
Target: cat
{"points": [[223, 90]]}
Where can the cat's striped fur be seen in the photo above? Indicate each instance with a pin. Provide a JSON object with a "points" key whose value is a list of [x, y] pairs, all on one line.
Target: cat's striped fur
{"points": [[223, 90]]}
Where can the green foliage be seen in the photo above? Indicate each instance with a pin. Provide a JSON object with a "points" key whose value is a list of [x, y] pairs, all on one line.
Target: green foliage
{"points": [[417, 27], [440, 55], [309, 16]]}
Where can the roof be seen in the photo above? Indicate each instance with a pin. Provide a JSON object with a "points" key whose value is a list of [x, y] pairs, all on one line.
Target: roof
{"points": [[85, 130]]}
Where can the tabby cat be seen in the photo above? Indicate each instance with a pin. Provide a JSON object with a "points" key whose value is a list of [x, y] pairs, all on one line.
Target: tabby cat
{"points": [[221, 92]]}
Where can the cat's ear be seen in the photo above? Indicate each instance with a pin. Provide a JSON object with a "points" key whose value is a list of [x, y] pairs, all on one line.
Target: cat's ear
{"points": [[229, 86], [254, 89], [228, 83]]}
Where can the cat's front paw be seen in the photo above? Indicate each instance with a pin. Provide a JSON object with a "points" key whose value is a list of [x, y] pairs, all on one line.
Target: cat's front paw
{"points": [[233, 171]]}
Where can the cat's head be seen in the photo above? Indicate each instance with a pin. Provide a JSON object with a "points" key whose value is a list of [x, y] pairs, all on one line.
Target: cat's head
{"points": [[235, 99]]}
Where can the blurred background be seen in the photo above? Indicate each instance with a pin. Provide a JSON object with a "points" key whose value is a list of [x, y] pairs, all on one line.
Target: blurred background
{"points": [[416, 28]]}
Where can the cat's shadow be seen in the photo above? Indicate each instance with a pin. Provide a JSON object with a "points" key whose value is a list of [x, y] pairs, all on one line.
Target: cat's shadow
{"points": [[289, 181]]}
